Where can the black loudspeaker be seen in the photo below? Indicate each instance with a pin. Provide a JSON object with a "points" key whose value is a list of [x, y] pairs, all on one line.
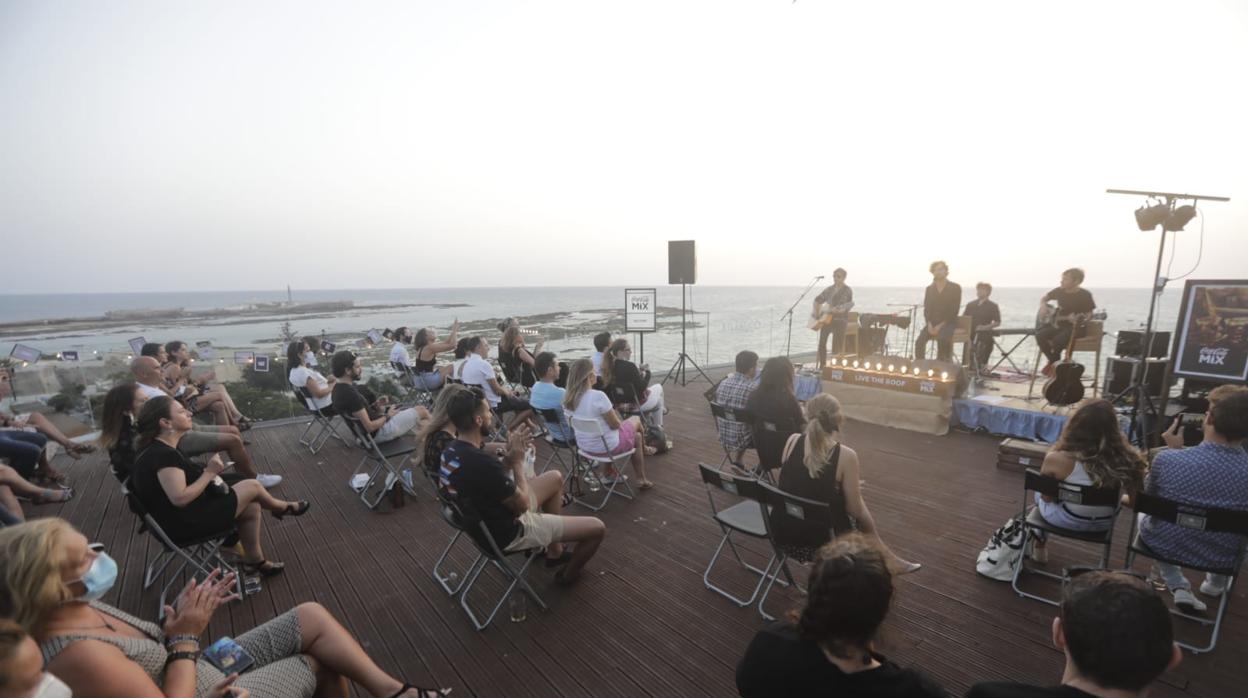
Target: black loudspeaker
{"points": [[1130, 341], [1118, 375], [682, 262]]}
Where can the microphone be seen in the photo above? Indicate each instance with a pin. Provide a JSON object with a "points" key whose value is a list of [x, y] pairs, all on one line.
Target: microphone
{"points": [[818, 277]]}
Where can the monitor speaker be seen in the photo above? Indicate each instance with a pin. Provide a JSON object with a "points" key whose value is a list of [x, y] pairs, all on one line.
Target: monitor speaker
{"points": [[1130, 341], [682, 262], [1118, 370]]}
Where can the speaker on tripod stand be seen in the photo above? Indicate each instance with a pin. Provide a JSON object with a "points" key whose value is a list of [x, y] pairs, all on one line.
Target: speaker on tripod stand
{"points": [[682, 268]]}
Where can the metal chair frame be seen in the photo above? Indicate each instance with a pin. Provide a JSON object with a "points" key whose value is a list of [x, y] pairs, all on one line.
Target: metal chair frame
{"points": [[556, 417], [449, 512], [736, 415], [326, 423], [416, 395], [775, 501], [625, 400], [492, 555], [380, 455], [744, 517], [767, 434], [1065, 492], [1197, 518], [590, 429]]}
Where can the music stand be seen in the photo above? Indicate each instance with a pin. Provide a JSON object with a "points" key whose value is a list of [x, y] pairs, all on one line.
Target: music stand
{"points": [[678, 368]]}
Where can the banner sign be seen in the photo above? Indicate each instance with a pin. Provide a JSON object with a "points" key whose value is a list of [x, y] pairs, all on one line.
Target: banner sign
{"points": [[204, 348], [242, 358], [640, 306], [895, 381], [262, 363], [1211, 341], [136, 345], [69, 356], [24, 352]]}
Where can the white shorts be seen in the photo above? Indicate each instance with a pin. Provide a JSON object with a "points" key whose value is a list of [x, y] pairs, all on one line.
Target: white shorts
{"points": [[398, 425]]}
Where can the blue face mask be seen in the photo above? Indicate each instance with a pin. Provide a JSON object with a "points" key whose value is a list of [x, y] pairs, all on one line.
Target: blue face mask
{"points": [[100, 577]]}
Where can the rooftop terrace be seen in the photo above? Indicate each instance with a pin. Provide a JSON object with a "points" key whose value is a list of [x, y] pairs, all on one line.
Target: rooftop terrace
{"points": [[641, 622]]}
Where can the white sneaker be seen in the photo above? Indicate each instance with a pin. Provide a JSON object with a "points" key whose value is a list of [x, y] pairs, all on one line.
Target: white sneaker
{"points": [[269, 481], [1186, 601], [1208, 588]]}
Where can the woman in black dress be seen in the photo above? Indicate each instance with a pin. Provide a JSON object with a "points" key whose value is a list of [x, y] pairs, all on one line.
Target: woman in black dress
{"points": [[817, 466], [776, 411], [191, 501]]}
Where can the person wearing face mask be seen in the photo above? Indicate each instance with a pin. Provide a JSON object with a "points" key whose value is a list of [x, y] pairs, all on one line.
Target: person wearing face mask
{"points": [[618, 369], [21, 667], [301, 359], [51, 583]]}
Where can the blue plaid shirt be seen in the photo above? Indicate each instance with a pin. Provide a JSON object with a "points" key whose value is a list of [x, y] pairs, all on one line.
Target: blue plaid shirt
{"points": [[733, 391]]}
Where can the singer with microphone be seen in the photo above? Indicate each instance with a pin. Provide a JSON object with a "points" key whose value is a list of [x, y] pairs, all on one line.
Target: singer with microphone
{"points": [[831, 314]]}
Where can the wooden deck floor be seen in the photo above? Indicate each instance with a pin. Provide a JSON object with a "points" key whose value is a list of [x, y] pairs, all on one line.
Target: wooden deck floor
{"points": [[642, 623]]}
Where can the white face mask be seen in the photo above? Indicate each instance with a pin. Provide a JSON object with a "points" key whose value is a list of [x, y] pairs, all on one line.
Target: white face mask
{"points": [[51, 687]]}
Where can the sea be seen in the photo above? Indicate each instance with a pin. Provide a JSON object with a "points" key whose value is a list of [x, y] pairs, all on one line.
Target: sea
{"points": [[721, 321]]}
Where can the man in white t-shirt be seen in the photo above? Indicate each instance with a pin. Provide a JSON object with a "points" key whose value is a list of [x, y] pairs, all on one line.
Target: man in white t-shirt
{"points": [[477, 371], [602, 341], [398, 352]]}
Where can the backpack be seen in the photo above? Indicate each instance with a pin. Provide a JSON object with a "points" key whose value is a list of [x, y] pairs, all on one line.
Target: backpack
{"points": [[656, 439], [1004, 551]]}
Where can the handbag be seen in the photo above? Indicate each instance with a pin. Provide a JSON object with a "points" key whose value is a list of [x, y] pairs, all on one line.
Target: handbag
{"points": [[1004, 551]]}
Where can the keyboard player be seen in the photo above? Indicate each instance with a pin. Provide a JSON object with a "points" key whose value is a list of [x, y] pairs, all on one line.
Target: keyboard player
{"points": [[985, 317]]}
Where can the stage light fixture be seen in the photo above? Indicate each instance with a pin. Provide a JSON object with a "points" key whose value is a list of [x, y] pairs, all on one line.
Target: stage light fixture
{"points": [[855, 363], [916, 370], [879, 366], [892, 368], [1149, 217], [944, 375], [1181, 217], [930, 373]]}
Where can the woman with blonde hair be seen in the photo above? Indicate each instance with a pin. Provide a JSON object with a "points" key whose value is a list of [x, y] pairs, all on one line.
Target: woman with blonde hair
{"points": [[583, 402], [512, 352], [818, 466], [51, 580]]}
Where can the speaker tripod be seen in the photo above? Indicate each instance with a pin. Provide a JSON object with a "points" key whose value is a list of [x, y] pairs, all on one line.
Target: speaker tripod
{"points": [[677, 371]]}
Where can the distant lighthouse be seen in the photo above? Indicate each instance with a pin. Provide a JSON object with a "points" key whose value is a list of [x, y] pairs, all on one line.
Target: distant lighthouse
{"points": [[289, 299]]}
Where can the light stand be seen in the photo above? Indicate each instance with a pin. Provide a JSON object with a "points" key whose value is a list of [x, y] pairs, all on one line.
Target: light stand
{"points": [[1145, 420], [788, 344], [678, 368]]}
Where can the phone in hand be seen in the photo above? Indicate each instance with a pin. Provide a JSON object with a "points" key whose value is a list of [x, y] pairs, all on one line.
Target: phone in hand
{"points": [[228, 656], [1192, 419]]}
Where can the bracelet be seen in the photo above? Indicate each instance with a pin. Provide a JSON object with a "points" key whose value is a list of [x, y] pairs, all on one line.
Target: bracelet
{"points": [[175, 656], [171, 640]]}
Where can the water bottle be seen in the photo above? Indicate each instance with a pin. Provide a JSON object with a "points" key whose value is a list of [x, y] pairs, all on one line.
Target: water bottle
{"points": [[1155, 578], [519, 607], [530, 458]]}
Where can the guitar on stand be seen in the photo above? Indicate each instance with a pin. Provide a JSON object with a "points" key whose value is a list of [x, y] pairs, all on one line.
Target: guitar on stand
{"points": [[1065, 387]]}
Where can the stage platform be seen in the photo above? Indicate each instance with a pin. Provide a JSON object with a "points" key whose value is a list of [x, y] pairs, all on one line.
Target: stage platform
{"points": [[1001, 407]]}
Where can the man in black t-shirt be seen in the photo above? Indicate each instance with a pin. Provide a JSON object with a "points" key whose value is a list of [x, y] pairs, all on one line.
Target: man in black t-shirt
{"points": [[384, 421], [985, 315], [941, 302], [841, 299], [1117, 636], [520, 513], [1074, 307]]}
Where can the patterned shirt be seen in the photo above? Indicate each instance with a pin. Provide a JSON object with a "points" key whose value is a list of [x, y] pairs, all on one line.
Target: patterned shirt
{"points": [[734, 391], [1210, 475]]}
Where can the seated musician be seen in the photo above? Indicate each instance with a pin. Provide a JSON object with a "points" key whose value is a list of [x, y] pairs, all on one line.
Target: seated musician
{"points": [[985, 317], [941, 302], [1074, 307], [841, 299]]}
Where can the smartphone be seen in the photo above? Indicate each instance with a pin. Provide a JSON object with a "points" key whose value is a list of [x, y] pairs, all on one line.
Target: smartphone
{"points": [[1192, 419], [228, 656]]}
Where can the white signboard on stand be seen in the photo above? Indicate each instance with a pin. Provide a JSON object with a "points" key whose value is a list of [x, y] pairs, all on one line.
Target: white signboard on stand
{"points": [[640, 307]]}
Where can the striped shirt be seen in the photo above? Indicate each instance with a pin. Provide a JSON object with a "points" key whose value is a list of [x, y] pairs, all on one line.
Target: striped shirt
{"points": [[734, 391]]}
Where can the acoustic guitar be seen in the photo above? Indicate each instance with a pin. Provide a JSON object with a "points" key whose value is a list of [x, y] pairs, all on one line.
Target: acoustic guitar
{"points": [[823, 315], [1066, 385]]}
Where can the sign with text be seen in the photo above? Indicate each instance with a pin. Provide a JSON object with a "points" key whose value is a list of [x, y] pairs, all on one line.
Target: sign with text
{"points": [[136, 345], [69, 356], [242, 358], [205, 350], [898, 382], [640, 307], [25, 352], [262, 363], [1211, 341]]}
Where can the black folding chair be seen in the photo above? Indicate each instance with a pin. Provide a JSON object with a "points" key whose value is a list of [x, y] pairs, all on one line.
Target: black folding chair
{"points": [[736, 416], [626, 401], [380, 455], [1196, 518], [781, 505], [769, 440], [416, 394], [555, 418], [326, 422], [1064, 493], [744, 517], [491, 554], [450, 514]]}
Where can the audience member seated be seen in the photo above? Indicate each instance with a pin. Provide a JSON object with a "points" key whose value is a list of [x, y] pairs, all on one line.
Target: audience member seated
{"points": [[582, 401], [1212, 474], [1092, 450], [512, 350], [521, 513], [774, 400], [202, 439], [302, 375], [428, 346], [384, 421], [619, 370], [21, 666], [602, 341], [24, 440], [825, 649], [122, 404], [818, 466], [461, 358], [207, 396], [314, 346], [437, 432], [548, 396], [190, 501], [13, 484], [734, 391], [1117, 637], [477, 371], [51, 579]]}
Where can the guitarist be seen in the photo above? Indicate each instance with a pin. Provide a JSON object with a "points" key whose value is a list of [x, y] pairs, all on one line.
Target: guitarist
{"points": [[841, 299], [1074, 307]]}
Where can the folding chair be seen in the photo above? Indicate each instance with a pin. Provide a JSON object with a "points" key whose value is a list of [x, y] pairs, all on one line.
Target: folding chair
{"points": [[744, 517], [732, 415], [451, 516], [491, 554], [624, 399], [1066, 493], [590, 431], [783, 505], [769, 440], [380, 455], [1197, 518], [198, 556], [416, 395], [554, 417], [319, 417]]}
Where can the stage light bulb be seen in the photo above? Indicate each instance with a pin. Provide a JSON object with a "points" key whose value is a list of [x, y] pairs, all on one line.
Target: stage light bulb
{"points": [[855, 363], [944, 375], [930, 373], [129, 356], [892, 368], [916, 370], [879, 366]]}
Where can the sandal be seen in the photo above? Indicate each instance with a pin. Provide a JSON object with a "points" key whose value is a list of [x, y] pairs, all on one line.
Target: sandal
{"points": [[645, 485], [81, 448], [297, 509], [650, 450], [59, 479], [244, 424], [265, 568], [48, 496], [560, 561], [422, 692]]}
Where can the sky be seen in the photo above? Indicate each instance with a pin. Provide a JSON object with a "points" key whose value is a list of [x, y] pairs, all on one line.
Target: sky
{"points": [[147, 146]]}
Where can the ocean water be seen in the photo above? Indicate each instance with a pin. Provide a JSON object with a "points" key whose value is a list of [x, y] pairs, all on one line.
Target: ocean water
{"points": [[723, 321]]}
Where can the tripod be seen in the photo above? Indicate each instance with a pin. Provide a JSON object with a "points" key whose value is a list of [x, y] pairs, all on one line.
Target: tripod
{"points": [[678, 369], [788, 343]]}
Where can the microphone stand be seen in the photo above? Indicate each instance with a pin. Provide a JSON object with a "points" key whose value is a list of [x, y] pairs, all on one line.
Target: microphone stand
{"points": [[788, 344]]}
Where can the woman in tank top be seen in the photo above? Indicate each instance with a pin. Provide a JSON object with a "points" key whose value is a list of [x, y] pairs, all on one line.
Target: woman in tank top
{"points": [[817, 466], [428, 346]]}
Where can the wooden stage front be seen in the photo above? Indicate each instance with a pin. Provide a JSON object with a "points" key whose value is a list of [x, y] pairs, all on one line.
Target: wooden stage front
{"points": [[641, 622]]}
